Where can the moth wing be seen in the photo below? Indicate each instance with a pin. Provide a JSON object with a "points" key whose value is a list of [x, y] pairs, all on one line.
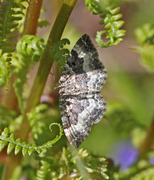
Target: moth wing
{"points": [[79, 114]]}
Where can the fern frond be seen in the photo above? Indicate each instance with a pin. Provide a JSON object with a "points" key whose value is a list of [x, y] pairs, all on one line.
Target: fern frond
{"points": [[110, 19], [7, 18], [146, 52], [112, 23], [5, 69], [18, 145], [35, 118], [60, 54], [6, 117], [10, 14], [28, 47], [145, 36], [44, 171], [64, 165]]}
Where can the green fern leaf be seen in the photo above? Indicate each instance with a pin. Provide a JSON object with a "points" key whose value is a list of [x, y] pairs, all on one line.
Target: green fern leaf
{"points": [[147, 56], [70, 163], [112, 24], [7, 118], [10, 148], [28, 47], [144, 35], [18, 147], [110, 19], [60, 55], [11, 145], [5, 133], [5, 69], [10, 15], [2, 145], [30, 151], [26, 148]]}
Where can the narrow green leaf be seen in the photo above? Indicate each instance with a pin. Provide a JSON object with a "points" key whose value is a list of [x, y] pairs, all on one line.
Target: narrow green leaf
{"points": [[116, 17], [12, 137], [119, 24], [3, 78], [107, 26], [59, 53], [120, 33], [115, 11], [10, 147], [5, 133], [103, 15], [30, 151], [102, 22], [3, 144], [38, 150], [107, 19], [18, 147], [24, 151]]}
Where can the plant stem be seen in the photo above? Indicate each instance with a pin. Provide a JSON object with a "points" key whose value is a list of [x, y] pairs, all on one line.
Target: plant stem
{"points": [[11, 97], [149, 139], [32, 17], [46, 63]]}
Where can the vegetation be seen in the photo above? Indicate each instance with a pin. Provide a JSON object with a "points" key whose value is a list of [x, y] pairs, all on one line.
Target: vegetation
{"points": [[120, 147]]}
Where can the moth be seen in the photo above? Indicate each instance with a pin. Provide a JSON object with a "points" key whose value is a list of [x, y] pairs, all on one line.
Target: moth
{"points": [[81, 104]]}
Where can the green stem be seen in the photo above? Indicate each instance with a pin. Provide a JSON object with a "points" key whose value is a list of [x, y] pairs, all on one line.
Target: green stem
{"points": [[46, 63], [149, 139]]}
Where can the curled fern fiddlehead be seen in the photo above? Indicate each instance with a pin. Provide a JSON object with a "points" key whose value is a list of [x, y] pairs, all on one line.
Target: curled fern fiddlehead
{"points": [[60, 54], [9, 16], [30, 45], [18, 145], [110, 19]]}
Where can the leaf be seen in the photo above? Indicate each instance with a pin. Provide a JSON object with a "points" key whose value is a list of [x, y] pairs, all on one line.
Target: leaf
{"points": [[60, 54], [28, 47], [43, 22], [10, 15], [26, 148], [2, 145], [110, 20], [144, 35]]}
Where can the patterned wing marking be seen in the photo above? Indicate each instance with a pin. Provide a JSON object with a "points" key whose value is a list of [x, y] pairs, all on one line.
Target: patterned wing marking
{"points": [[80, 113], [89, 82]]}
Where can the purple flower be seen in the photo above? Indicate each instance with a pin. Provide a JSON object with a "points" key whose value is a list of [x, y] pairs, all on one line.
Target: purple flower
{"points": [[124, 154]]}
